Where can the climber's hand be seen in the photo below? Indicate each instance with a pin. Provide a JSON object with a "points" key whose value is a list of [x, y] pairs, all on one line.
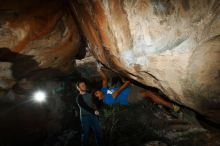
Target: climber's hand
{"points": [[127, 83]]}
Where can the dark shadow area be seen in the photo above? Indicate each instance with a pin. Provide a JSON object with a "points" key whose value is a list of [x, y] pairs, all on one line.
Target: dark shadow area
{"points": [[25, 122], [55, 122], [207, 124], [24, 66]]}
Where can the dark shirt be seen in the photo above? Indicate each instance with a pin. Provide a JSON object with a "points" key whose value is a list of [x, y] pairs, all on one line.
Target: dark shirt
{"points": [[85, 104]]}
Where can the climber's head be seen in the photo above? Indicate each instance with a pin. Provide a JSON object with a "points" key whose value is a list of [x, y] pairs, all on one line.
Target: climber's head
{"points": [[97, 94]]}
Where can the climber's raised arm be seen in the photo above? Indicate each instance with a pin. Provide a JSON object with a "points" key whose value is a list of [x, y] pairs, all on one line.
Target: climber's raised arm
{"points": [[117, 92], [104, 78]]}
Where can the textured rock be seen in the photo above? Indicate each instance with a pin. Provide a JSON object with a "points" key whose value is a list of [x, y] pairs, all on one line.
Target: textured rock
{"points": [[171, 45], [35, 35], [152, 126], [87, 68]]}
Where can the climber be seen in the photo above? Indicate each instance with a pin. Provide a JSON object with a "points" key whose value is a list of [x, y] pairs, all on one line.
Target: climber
{"points": [[124, 93], [88, 115]]}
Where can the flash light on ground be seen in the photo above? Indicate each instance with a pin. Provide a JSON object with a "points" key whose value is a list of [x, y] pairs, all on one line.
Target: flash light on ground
{"points": [[40, 96]]}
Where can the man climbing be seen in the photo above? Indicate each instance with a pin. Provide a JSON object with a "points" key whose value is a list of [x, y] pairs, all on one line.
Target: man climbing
{"points": [[126, 93], [88, 115]]}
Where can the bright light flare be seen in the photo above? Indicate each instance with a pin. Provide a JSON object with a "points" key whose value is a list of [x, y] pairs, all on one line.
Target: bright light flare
{"points": [[40, 96]]}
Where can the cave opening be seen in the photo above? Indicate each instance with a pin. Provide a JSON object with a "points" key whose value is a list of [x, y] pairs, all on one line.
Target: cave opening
{"points": [[166, 51]]}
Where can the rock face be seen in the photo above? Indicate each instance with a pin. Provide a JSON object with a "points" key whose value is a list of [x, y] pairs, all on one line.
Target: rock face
{"points": [[35, 35], [170, 45]]}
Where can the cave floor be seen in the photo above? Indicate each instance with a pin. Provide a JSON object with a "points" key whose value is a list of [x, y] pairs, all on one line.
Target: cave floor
{"points": [[148, 124], [140, 124]]}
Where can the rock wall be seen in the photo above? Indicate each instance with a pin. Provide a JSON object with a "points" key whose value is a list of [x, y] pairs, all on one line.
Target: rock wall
{"points": [[171, 45], [35, 35]]}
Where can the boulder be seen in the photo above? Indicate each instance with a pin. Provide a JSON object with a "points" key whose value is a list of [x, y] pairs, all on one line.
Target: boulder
{"points": [[36, 35], [170, 45]]}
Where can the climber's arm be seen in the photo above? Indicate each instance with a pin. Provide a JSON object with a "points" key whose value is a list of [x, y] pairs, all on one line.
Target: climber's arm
{"points": [[104, 79], [116, 93]]}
